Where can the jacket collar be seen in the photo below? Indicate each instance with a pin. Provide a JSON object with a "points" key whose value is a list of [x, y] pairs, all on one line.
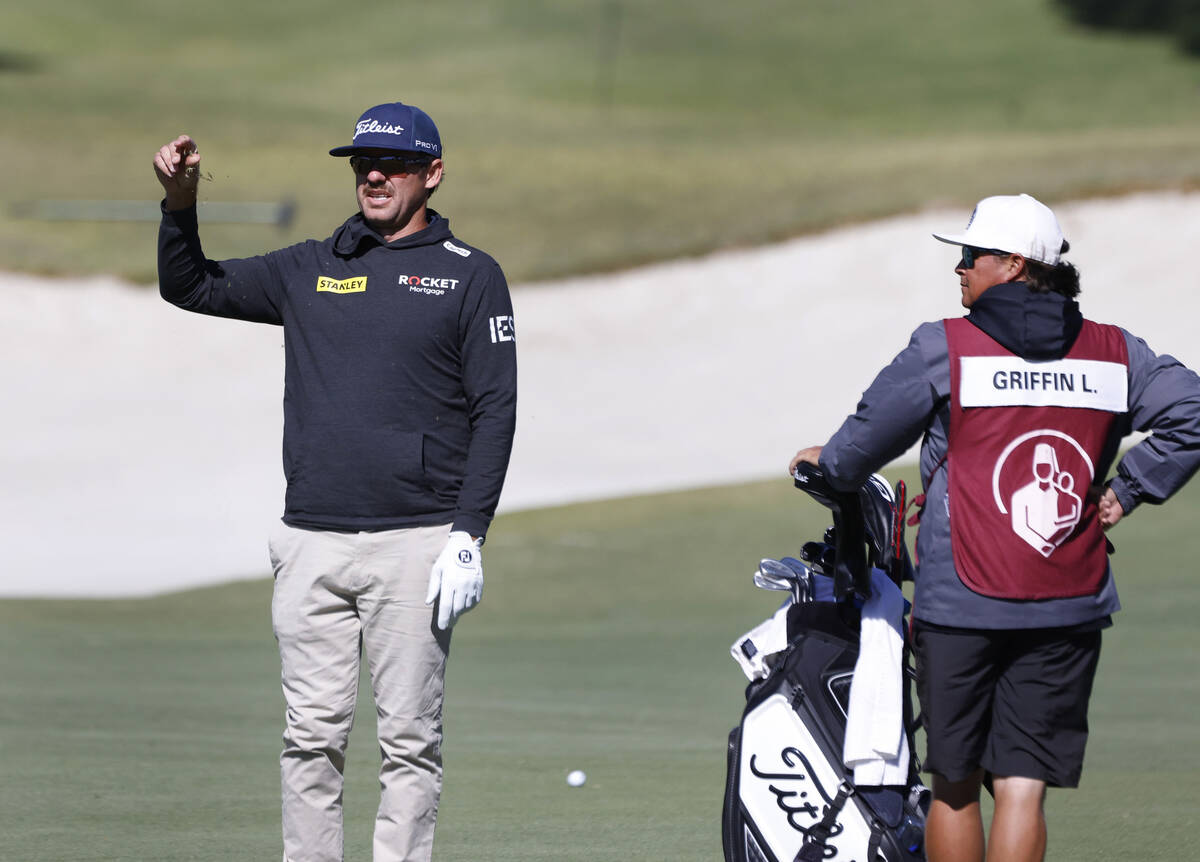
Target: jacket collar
{"points": [[356, 236]]}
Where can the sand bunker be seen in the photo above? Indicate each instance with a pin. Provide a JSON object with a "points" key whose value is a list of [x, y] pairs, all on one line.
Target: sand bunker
{"points": [[141, 449]]}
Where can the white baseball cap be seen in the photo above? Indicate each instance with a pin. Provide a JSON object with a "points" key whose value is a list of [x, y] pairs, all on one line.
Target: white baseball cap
{"points": [[1018, 224]]}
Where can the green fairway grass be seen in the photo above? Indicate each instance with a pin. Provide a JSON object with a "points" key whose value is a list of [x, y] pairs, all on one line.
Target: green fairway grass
{"points": [[581, 135], [149, 729]]}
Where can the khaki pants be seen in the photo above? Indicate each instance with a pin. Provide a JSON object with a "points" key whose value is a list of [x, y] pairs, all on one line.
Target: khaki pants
{"points": [[336, 594]]}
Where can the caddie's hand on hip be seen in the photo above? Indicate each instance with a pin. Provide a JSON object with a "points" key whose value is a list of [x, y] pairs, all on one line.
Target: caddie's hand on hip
{"points": [[177, 166], [457, 578], [811, 455], [1111, 510]]}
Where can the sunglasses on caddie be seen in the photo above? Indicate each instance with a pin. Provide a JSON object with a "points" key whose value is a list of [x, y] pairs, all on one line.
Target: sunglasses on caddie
{"points": [[388, 165], [971, 252]]}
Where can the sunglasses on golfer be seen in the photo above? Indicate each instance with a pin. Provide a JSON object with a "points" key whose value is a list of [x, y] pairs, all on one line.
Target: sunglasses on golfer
{"points": [[971, 252], [389, 166]]}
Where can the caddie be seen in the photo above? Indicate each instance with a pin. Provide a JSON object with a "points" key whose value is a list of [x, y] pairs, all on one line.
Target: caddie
{"points": [[1020, 406], [399, 411]]}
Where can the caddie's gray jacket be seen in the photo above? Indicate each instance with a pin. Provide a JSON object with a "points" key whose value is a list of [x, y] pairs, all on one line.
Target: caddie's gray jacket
{"points": [[400, 384], [911, 398]]}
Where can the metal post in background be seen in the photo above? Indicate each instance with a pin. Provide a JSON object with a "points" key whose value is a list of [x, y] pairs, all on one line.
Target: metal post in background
{"points": [[280, 214]]}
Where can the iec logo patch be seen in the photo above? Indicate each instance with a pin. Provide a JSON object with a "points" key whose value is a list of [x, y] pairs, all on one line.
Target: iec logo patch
{"points": [[358, 284], [502, 328]]}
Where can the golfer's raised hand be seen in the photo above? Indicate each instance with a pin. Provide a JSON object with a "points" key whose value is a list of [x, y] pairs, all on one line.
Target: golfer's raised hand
{"points": [[177, 166]]}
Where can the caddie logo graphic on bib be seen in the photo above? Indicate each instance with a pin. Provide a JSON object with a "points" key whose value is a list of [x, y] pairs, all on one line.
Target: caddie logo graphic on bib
{"points": [[1035, 485], [1025, 439]]}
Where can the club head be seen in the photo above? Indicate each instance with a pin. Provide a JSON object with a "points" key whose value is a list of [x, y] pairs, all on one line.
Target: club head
{"points": [[802, 586], [774, 575], [821, 557], [765, 582]]}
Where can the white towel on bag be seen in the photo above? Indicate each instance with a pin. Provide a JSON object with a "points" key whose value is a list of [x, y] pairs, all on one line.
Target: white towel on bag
{"points": [[876, 745], [753, 648]]}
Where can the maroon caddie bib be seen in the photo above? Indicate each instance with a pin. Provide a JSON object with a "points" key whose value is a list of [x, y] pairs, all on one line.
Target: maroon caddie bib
{"points": [[1025, 438]]}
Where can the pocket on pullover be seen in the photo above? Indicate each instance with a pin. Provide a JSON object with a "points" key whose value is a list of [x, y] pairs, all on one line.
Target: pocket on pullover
{"points": [[358, 471]]}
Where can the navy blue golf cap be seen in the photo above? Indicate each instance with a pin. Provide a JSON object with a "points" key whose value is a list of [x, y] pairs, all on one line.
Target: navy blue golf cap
{"points": [[394, 126]]}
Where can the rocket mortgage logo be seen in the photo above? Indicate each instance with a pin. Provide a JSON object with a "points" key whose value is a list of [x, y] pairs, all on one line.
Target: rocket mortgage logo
{"points": [[427, 284]]}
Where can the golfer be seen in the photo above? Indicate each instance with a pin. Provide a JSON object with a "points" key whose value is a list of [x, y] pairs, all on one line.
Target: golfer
{"points": [[399, 411], [1020, 406]]}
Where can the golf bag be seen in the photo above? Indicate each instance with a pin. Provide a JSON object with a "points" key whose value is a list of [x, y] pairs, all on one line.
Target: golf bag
{"points": [[788, 796]]}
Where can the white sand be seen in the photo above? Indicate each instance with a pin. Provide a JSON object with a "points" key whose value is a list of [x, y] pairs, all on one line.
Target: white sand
{"points": [[140, 449]]}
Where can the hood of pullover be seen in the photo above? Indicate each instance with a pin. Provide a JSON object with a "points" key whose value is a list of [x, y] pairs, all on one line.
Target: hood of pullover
{"points": [[1035, 326]]}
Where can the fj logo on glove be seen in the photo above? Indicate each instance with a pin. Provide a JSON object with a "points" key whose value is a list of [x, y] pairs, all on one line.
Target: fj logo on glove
{"points": [[464, 557], [347, 285]]}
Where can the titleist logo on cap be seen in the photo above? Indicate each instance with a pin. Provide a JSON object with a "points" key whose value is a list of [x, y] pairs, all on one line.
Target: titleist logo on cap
{"points": [[369, 125], [393, 126]]}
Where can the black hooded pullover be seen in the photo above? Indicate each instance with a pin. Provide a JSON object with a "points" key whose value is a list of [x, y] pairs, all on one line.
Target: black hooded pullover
{"points": [[400, 368]]}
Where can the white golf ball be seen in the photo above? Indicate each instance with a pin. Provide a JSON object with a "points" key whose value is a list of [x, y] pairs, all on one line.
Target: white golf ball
{"points": [[576, 777]]}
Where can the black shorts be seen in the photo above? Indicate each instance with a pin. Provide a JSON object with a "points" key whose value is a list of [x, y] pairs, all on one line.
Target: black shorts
{"points": [[1013, 702]]}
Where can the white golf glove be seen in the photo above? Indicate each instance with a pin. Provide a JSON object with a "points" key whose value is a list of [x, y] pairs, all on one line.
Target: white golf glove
{"points": [[457, 577]]}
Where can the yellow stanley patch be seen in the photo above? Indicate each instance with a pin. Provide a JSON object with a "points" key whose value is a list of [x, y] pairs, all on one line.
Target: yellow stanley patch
{"points": [[347, 285]]}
